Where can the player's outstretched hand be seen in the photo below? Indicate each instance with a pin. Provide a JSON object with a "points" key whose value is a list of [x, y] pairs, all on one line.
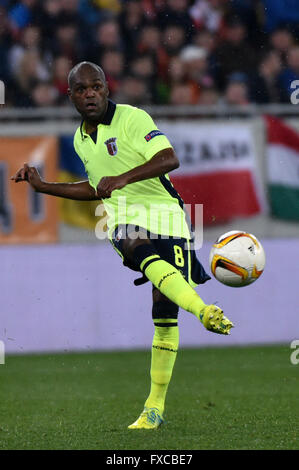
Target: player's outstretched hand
{"points": [[30, 174], [109, 184]]}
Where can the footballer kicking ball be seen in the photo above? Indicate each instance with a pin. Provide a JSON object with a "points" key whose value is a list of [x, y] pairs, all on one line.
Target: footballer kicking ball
{"points": [[237, 259]]}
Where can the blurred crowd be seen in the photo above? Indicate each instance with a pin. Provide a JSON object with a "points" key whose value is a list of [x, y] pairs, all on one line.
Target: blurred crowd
{"points": [[176, 52]]}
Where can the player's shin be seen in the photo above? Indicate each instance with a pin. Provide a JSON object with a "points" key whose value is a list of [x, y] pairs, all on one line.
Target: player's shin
{"points": [[164, 351]]}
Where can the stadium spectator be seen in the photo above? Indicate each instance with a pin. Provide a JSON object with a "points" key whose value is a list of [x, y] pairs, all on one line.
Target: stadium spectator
{"points": [[208, 14], [133, 90], [175, 75], [31, 66], [5, 44], [44, 94], [264, 85], [143, 66], [282, 40], [113, 6], [181, 94], [61, 68], [30, 70], [70, 6], [196, 69], [107, 36], [281, 13], [70, 16], [173, 40], [249, 12], [48, 16], [149, 40], [176, 71], [152, 8], [30, 40], [195, 60], [176, 12], [235, 54], [91, 11], [144, 39], [205, 39], [113, 63], [22, 13], [209, 96], [132, 19], [67, 41], [291, 73], [237, 91]]}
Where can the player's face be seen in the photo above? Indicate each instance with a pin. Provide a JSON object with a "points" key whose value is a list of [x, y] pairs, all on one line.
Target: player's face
{"points": [[89, 93]]}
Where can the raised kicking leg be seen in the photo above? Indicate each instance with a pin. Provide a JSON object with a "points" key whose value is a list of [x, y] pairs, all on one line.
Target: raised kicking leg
{"points": [[170, 282]]}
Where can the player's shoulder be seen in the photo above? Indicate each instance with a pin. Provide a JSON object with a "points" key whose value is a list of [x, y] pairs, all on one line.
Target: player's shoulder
{"points": [[128, 111]]}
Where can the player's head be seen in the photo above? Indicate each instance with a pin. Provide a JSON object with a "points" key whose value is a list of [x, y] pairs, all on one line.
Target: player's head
{"points": [[88, 90]]}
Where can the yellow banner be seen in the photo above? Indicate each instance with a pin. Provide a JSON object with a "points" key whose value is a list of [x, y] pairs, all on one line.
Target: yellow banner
{"points": [[78, 213]]}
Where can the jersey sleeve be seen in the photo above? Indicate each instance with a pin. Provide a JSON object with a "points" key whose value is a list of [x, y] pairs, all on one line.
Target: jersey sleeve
{"points": [[144, 135]]}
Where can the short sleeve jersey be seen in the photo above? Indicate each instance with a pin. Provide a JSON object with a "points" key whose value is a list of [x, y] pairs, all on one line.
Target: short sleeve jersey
{"points": [[126, 138]]}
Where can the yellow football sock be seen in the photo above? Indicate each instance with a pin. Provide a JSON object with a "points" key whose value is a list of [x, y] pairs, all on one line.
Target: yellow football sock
{"points": [[164, 352], [172, 284]]}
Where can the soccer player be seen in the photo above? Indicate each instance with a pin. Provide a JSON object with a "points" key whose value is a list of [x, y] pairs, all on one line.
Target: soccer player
{"points": [[127, 160]]}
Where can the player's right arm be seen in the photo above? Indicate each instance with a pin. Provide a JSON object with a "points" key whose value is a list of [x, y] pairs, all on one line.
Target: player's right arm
{"points": [[80, 191]]}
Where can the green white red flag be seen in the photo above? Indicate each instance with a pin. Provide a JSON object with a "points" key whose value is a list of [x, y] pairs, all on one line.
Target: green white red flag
{"points": [[283, 169]]}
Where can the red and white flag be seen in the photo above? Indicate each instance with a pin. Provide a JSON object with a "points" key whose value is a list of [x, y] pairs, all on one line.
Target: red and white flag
{"points": [[217, 169]]}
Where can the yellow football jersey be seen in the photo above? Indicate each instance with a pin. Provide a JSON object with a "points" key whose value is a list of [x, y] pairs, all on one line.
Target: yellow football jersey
{"points": [[126, 138]]}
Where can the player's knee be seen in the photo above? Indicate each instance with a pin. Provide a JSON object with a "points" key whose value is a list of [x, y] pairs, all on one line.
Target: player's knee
{"points": [[164, 309], [129, 247], [138, 250]]}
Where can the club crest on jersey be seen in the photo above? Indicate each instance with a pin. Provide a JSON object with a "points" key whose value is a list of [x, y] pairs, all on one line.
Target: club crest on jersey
{"points": [[111, 146]]}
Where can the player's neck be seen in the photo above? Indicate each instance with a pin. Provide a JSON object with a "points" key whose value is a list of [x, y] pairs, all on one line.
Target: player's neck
{"points": [[92, 125]]}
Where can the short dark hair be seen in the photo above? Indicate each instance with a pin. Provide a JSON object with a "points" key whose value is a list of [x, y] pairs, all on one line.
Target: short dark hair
{"points": [[75, 69]]}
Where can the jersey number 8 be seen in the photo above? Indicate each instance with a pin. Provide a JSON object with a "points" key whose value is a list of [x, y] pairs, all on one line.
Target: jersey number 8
{"points": [[178, 256]]}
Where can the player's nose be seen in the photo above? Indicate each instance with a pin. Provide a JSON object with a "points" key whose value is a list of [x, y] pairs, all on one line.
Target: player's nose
{"points": [[90, 93]]}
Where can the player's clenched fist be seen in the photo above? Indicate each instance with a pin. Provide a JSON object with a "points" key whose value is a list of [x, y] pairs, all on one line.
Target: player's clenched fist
{"points": [[109, 184], [30, 174]]}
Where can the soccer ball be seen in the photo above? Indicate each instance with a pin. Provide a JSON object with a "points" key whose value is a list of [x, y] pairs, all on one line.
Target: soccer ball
{"points": [[237, 259]]}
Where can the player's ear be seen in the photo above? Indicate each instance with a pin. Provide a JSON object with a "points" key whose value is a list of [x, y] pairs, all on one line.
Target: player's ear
{"points": [[69, 93], [107, 89]]}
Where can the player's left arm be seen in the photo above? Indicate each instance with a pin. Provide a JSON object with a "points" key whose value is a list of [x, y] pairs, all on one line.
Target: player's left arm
{"points": [[162, 162]]}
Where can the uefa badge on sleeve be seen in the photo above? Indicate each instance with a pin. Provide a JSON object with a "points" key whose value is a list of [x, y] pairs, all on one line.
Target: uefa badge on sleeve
{"points": [[111, 146]]}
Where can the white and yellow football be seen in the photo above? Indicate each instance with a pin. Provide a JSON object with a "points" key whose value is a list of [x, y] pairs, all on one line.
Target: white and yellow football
{"points": [[237, 259]]}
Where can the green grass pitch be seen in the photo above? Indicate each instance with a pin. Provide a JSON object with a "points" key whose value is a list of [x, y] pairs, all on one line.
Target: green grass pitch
{"points": [[219, 398]]}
